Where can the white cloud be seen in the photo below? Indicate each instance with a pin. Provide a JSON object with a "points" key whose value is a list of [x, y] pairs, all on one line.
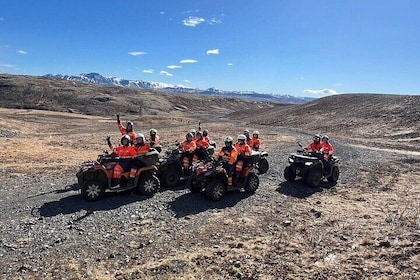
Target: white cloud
{"points": [[173, 66], [162, 13], [8, 65], [166, 73], [214, 51], [193, 21], [148, 71], [137, 53], [229, 64], [187, 81], [338, 84], [22, 52], [325, 91], [188, 61], [214, 21]]}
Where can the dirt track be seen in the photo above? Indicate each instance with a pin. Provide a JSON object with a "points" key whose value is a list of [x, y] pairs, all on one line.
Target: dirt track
{"points": [[365, 227]]}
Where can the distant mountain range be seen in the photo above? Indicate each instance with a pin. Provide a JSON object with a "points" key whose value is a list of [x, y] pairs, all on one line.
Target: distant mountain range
{"points": [[96, 78]]}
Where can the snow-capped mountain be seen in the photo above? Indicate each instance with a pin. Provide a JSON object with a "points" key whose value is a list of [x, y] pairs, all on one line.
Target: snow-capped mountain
{"points": [[96, 78]]}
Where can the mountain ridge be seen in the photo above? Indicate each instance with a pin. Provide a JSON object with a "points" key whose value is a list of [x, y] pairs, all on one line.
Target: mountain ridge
{"points": [[97, 78]]}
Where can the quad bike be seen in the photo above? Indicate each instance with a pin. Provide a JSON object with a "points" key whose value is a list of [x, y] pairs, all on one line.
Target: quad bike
{"points": [[211, 178], [311, 167], [260, 162], [170, 169], [94, 177]]}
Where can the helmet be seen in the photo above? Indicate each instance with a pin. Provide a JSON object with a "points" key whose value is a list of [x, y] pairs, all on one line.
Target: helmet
{"points": [[125, 136], [140, 136], [205, 132], [317, 136], [192, 131], [189, 136], [246, 131], [228, 139], [241, 137], [256, 132], [325, 137], [130, 123], [153, 131], [199, 133]]}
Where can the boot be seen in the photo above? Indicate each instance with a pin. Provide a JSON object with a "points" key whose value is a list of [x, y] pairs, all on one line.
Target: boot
{"points": [[115, 183]]}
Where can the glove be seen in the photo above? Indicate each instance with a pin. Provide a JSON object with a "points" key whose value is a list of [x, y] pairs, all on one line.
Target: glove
{"points": [[108, 141], [118, 119]]}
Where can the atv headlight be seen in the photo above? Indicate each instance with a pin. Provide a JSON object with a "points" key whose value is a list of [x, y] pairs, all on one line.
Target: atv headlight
{"points": [[291, 160], [308, 163]]}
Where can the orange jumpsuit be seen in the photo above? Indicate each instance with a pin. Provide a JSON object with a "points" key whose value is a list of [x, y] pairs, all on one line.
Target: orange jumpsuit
{"points": [[314, 147], [327, 150], [123, 131], [188, 149], [125, 153], [153, 142], [229, 154], [254, 143]]}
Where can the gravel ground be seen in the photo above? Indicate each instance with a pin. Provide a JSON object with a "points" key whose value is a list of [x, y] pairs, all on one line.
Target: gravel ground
{"points": [[48, 232]]}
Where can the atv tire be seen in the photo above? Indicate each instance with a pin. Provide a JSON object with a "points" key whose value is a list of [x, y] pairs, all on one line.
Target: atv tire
{"points": [[215, 191], [334, 176], [171, 178], [289, 174], [148, 185], [252, 183], [263, 166], [314, 177], [92, 190]]}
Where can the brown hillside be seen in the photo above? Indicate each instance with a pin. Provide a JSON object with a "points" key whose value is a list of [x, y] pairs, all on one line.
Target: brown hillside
{"points": [[29, 92], [392, 117]]}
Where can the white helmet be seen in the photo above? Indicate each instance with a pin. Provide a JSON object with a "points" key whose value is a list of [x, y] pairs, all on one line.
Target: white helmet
{"points": [[192, 131], [125, 136], [141, 136], [241, 137], [256, 132]]}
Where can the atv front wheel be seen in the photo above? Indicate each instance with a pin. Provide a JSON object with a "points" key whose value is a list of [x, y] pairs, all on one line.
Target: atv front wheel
{"points": [[215, 191], [334, 176], [263, 166], [313, 178], [171, 178], [92, 190], [252, 183], [289, 174], [148, 185]]}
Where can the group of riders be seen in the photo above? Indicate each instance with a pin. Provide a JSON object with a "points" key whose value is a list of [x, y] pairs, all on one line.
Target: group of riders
{"points": [[193, 148]]}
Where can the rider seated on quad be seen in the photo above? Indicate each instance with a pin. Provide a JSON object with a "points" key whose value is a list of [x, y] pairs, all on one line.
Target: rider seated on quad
{"points": [[125, 152], [127, 130], [202, 145], [316, 145], [255, 141], [229, 154], [154, 138], [188, 149], [327, 150], [141, 147], [243, 150]]}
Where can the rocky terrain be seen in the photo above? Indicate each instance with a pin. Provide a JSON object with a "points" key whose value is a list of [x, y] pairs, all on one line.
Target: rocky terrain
{"points": [[365, 227]]}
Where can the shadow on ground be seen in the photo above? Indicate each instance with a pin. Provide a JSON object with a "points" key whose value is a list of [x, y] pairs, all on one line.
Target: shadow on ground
{"points": [[75, 203], [194, 203], [300, 190]]}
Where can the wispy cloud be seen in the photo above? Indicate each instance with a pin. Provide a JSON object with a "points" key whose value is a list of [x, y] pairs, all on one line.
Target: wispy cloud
{"points": [[214, 21], [22, 52], [165, 73], [148, 71], [339, 84], [188, 61], [137, 53], [173, 66], [187, 81], [8, 65], [325, 91], [162, 13], [214, 51], [193, 21], [229, 64]]}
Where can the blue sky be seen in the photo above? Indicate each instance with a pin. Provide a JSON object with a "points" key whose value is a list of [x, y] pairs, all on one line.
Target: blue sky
{"points": [[297, 47]]}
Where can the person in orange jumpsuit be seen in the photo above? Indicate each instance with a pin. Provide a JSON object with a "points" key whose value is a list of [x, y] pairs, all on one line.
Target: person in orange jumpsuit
{"points": [[255, 141], [243, 151], [315, 145], [206, 135], [154, 138], [142, 147], [127, 130], [202, 145], [229, 154], [327, 150], [188, 147], [125, 152], [248, 138]]}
